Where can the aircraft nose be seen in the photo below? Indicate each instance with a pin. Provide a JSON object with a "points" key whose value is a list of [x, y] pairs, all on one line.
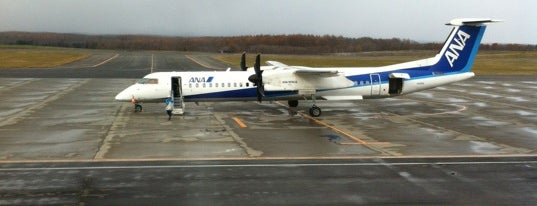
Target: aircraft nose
{"points": [[123, 96]]}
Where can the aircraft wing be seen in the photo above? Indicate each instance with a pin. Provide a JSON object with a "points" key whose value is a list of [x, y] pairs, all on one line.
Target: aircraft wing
{"points": [[291, 78], [340, 98], [276, 63], [306, 72], [303, 78]]}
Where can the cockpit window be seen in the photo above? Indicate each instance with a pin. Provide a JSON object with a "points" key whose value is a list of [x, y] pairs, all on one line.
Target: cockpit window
{"points": [[148, 81]]}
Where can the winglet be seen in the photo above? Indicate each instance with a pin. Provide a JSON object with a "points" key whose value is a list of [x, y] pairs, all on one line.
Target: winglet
{"points": [[471, 22]]}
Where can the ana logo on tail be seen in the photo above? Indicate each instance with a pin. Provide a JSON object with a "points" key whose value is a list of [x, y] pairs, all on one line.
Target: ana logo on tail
{"points": [[452, 53]]}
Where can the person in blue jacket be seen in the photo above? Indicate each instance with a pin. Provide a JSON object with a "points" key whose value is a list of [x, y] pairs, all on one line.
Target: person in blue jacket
{"points": [[169, 107]]}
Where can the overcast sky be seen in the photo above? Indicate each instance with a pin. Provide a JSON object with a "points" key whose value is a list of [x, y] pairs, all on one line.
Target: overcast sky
{"points": [[420, 20]]}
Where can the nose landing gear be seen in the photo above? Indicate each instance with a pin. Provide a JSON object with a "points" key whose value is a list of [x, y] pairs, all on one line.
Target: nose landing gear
{"points": [[137, 107]]}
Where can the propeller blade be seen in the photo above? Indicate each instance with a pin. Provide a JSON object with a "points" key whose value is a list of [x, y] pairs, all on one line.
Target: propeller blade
{"points": [[243, 62], [257, 78], [259, 95], [257, 65]]}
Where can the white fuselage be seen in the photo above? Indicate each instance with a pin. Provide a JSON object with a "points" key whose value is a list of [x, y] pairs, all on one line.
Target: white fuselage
{"points": [[234, 86]]}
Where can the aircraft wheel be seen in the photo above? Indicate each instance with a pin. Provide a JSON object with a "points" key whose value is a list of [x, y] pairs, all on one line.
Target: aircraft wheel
{"points": [[315, 111], [292, 103], [137, 108]]}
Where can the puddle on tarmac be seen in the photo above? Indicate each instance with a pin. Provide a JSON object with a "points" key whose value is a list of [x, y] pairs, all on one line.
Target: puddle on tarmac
{"points": [[484, 147], [483, 121], [532, 131], [333, 138], [517, 99]]}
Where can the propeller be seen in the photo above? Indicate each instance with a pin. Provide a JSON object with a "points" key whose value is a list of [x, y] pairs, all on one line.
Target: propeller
{"points": [[243, 62], [257, 79]]}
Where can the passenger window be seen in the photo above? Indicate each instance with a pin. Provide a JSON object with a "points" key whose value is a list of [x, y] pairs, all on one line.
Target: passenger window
{"points": [[247, 84], [197, 85], [234, 84], [228, 84]]}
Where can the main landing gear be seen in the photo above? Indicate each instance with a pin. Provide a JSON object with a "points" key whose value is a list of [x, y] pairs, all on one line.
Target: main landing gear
{"points": [[292, 103], [314, 111]]}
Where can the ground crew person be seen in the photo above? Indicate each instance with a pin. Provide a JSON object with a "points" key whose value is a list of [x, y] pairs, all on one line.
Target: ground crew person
{"points": [[169, 107]]}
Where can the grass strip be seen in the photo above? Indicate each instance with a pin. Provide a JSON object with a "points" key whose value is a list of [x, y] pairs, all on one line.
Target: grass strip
{"points": [[37, 59]]}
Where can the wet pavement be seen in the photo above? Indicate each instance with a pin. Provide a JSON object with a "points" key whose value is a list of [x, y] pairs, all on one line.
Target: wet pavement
{"points": [[387, 181], [66, 141], [47, 119]]}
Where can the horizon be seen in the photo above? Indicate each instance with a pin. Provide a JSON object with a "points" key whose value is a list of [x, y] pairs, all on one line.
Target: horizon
{"points": [[254, 35]]}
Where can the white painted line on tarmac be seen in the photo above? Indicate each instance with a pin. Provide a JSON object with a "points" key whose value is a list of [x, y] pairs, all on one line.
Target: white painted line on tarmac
{"points": [[268, 165], [264, 158], [105, 61], [198, 62]]}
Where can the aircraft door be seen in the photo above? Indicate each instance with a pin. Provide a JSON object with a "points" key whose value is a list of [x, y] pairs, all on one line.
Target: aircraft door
{"points": [[375, 84], [176, 87], [396, 86]]}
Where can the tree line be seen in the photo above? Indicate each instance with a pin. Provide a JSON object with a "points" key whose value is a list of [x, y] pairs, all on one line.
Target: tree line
{"points": [[276, 44]]}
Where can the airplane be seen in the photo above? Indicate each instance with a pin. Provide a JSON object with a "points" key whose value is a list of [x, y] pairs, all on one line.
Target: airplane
{"points": [[279, 81]]}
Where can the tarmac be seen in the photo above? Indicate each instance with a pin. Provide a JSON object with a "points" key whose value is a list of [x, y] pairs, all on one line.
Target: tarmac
{"points": [[64, 140]]}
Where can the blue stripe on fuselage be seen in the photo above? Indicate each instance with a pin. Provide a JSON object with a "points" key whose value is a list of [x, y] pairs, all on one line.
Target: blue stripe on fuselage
{"points": [[251, 93], [239, 94]]}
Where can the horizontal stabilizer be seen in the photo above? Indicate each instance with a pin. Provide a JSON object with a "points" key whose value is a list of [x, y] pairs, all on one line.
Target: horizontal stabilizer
{"points": [[471, 22]]}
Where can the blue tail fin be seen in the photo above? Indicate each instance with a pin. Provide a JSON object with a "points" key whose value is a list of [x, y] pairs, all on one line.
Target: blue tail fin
{"points": [[460, 48]]}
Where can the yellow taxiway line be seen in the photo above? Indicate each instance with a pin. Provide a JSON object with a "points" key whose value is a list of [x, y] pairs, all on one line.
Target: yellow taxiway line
{"points": [[239, 122], [356, 139]]}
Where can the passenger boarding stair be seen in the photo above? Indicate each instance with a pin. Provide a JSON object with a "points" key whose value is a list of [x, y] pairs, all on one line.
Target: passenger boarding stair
{"points": [[178, 105]]}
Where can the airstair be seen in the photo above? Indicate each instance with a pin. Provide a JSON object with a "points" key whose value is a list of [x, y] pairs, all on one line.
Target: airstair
{"points": [[178, 105]]}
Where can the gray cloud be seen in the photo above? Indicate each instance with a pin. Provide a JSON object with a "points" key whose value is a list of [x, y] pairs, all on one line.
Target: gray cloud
{"points": [[413, 19]]}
